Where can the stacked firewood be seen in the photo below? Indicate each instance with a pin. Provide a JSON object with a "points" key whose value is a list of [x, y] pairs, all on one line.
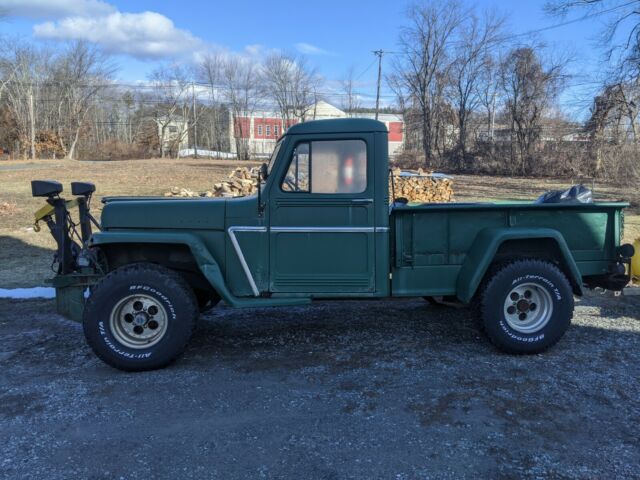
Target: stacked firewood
{"points": [[242, 181], [421, 186], [414, 185]]}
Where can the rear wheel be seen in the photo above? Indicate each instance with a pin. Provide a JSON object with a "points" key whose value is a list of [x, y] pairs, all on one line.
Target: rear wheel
{"points": [[140, 317], [526, 306]]}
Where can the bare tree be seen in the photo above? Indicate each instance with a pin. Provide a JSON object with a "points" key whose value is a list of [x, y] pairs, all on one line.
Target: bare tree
{"points": [[620, 35], [171, 85], [350, 99], [23, 67], [424, 64], [471, 60], [530, 88], [210, 72], [488, 90], [79, 74], [241, 92], [292, 84]]}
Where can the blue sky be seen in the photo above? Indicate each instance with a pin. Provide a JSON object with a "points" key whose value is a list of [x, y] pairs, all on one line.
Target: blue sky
{"points": [[334, 34]]}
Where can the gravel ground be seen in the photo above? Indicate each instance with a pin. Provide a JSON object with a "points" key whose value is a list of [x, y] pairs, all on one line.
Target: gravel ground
{"points": [[384, 389]]}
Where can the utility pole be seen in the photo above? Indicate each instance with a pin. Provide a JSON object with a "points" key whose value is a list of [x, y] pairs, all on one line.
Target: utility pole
{"points": [[379, 53], [195, 122]]}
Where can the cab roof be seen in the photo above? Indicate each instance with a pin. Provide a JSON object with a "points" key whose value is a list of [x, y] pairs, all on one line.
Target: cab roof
{"points": [[338, 125]]}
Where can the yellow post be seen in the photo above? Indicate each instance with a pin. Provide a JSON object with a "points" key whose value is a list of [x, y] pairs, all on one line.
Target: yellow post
{"points": [[635, 261]]}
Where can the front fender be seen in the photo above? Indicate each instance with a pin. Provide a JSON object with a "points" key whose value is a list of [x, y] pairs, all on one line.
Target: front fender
{"points": [[205, 261], [484, 250]]}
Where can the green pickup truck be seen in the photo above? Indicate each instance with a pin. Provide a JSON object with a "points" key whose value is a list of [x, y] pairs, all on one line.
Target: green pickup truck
{"points": [[322, 225]]}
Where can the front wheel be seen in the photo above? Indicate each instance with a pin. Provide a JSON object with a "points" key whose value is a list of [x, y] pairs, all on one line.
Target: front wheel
{"points": [[140, 317], [526, 306]]}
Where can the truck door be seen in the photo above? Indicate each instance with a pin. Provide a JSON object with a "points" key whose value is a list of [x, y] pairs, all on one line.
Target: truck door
{"points": [[322, 217]]}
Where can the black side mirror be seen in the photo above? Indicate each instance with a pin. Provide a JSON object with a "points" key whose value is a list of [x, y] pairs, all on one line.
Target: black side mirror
{"points": [[264, 171], [45, 188], [84, 189]]}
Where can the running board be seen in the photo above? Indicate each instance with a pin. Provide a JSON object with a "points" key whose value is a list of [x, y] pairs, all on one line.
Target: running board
{"points": [[269, 302]]}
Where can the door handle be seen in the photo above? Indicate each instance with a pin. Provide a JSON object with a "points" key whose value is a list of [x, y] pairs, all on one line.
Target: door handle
{"points": [[362, 200]]}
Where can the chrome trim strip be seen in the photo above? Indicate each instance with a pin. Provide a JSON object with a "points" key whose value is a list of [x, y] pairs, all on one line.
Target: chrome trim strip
{"points": [[329, 229], [232, 235], [322, 229]]}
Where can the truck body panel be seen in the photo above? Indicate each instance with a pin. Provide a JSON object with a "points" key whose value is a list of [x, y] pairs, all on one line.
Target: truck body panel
{"points": [[292, 241]]}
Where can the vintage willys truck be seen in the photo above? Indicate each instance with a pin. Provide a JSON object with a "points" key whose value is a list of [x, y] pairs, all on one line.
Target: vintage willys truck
{"points": [[322, 225]]}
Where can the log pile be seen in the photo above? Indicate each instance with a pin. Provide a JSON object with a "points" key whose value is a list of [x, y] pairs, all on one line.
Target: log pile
{"points": [[421, 186], [415, 186], [242, 181]]}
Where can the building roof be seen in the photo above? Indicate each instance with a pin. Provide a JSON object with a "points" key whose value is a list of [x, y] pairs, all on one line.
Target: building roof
{"points": [[324, 109], [338, 125]]}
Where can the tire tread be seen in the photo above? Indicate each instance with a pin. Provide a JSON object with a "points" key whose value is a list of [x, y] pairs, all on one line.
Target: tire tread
{"points": [[119, 275], [501, 270]]}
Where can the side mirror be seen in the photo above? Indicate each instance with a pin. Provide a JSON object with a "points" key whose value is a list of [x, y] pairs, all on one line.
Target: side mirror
{"points": [[264, 171], [45, 188]]}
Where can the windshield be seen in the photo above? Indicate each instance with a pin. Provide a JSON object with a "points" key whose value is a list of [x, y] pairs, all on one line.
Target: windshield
{"points": [[274, 155]]}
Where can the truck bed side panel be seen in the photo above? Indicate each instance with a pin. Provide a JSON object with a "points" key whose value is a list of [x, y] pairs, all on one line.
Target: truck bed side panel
{"points": [[431, 243]]}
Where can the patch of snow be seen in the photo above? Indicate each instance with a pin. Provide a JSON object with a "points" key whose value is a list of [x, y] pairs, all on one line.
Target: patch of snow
{"points": [[35, 292], [189, 152]]}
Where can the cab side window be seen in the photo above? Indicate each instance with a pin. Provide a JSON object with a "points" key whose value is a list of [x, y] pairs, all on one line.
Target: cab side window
{"points": [[333, 166]]}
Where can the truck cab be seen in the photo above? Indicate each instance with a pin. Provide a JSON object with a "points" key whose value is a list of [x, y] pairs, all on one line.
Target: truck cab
{"points": [[322, 225]]}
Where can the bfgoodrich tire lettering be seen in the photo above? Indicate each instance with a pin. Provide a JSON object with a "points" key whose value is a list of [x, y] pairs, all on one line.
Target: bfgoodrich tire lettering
{"points": [[526, 306], [168, 297]]}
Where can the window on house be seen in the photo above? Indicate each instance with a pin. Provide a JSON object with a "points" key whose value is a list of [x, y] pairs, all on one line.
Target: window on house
{"points": [[338, 166], [259, 130], [275, 130], [173, 129], [268, 130]]}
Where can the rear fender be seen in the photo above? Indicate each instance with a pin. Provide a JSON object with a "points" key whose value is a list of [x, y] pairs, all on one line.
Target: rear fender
{"points": [[486, 245]]}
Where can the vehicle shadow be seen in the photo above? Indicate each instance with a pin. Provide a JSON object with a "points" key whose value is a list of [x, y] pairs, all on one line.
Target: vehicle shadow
{"points": [[341, 336], [23, 264]]}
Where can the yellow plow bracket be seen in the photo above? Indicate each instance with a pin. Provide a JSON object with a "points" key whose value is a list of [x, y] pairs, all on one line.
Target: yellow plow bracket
{"points": [[48, 210]]}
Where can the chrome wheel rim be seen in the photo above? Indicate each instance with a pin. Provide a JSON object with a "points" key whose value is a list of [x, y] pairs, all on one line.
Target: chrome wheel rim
{"points": [[528, 308], [138, 321]]}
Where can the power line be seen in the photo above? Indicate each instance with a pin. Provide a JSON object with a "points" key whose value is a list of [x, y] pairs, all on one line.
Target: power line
{"points": [[366, 70], [569, 22]]}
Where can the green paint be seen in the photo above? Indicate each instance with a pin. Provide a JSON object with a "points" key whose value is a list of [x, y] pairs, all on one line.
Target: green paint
{"points": [[304, 244]]}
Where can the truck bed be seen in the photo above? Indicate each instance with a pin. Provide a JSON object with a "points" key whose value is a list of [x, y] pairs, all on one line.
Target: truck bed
{"points": [[430, 242]]}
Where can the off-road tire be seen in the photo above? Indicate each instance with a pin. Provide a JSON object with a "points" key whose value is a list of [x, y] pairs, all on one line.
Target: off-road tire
{"points": [[166, 287], [503, 281]]}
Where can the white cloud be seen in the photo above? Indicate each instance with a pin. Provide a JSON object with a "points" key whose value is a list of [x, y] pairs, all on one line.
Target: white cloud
{"points": [[55, 8], [309, 49], [142, 35]]}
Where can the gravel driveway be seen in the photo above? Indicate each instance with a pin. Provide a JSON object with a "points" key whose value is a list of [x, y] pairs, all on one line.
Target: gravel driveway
{"points": [[384, 389]]}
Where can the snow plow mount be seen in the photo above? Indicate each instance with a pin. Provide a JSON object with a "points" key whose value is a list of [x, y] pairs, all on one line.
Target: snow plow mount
{"points": [[76, 266]]}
